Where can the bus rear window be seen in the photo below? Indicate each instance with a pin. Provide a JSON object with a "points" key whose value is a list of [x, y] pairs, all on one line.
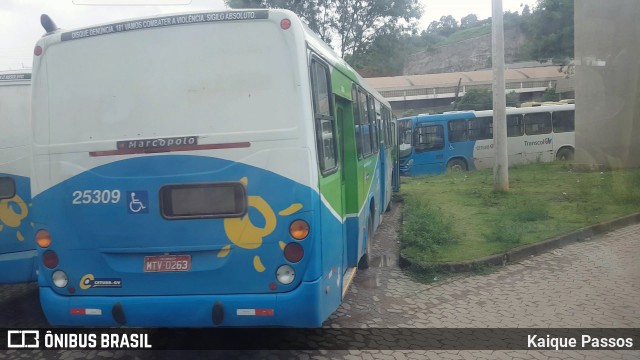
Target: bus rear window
{"points": [[218, 200], [7, 188]]}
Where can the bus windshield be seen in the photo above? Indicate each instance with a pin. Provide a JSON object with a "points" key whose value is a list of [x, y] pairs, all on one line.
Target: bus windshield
{"points": [[114, 102]]}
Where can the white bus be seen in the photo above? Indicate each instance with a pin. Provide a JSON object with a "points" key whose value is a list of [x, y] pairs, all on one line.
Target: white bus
{"points": [[464, 140]]}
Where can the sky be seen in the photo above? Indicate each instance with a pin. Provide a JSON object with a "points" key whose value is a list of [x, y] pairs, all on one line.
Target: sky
{"points": [[20, 19]]}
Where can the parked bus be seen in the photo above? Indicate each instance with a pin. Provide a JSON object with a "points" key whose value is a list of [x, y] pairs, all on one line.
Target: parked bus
{"points": [[433, 144], [17, 248], [203, 169]]}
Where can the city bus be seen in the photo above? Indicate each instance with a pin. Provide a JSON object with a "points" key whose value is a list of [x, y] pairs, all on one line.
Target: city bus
{"points": [[203, 169], [463, 140], [17, 248]]}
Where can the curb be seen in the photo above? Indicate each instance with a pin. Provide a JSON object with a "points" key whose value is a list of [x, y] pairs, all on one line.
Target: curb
{"points": [[523, 252]]}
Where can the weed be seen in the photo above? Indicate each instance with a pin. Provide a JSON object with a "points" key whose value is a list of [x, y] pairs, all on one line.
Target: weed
{"points": [[528, 210], [426, 228], [505, 232]]}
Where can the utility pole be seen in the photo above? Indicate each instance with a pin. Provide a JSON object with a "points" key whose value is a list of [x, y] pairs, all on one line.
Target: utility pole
{"points": [[501, 167]]}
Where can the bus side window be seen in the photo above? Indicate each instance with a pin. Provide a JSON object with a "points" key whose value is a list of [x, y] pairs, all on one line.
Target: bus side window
{"points": [[429, 138], [365, 126], [481, 128], [387, 126], [323, 114], [458, 130], [563, 121], [537, 123], [514, 126], [356, 121], [7, 188], [373, 124]]}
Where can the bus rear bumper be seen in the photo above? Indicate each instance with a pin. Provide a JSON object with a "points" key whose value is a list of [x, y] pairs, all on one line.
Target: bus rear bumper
{"points": [[298, 308]]}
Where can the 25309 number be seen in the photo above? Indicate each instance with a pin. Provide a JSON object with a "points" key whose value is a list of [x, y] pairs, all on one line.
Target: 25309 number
{"points": [[96, 197]]}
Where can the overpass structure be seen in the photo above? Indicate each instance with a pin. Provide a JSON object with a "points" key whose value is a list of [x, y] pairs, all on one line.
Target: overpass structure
{"points": [[431, 93]]}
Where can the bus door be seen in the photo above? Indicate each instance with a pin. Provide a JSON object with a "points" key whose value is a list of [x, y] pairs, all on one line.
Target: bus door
{"points": [[428, 142], [563, 131], [537, 139], [481, 134], [343, 107], [515, 143], [396, 158], [404, 146]]}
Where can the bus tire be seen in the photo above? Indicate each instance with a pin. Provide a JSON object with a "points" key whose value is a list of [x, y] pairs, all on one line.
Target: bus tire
{"points": [[456, 165], [565, 154], [364, 260]]}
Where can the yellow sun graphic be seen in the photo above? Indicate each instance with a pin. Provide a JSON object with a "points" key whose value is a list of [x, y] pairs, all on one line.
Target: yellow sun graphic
{"points": [[10, 218], [244, 234]]}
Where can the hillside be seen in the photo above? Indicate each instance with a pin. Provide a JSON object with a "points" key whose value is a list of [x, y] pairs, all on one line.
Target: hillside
{"points": [[465, 50]]}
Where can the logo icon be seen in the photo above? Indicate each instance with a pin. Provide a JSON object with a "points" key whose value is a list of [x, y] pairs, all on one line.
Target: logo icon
{"points": [[20, 339], [138, 202]]}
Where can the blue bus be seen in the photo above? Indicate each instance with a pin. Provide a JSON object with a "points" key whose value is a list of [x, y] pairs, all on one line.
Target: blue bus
{"points": [[203, 169], [461, 141], [17, 248]]}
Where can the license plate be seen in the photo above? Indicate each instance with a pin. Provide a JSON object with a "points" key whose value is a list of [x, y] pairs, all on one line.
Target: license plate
{"points": [[167, 263]]}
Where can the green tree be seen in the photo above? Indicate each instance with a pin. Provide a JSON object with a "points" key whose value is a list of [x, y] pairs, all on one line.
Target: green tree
{"points": [[387, 54], [468, 21], [552, 30], [482, 99], [315, 12], [349, 25], [476, 99], [550, 94], [445, 27]]}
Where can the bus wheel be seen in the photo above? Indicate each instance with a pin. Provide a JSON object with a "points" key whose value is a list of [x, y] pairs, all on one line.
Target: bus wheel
{"points": [[364, 260], [456, 165], [564, 154]]}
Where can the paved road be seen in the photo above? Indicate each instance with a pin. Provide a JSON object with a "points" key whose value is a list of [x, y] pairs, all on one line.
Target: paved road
{"points": [[585, 285]]}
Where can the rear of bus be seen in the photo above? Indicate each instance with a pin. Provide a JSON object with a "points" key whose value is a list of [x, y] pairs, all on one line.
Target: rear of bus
{"points": [[17, 249], [175, 177]]}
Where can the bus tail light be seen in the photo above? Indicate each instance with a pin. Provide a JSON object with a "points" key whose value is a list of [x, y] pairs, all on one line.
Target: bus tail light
{"points": [[293, 252], [60, 279], [299, 229], [43, 238], [285, 24], [285, 274], [50, 259]]}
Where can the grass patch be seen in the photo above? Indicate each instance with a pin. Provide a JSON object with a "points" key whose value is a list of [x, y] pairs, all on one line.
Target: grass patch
{"points": [[458, 217], [425, 228]]}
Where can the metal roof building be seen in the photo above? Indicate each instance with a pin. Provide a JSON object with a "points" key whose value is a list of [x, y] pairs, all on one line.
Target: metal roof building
{"points": [[435, 92]]}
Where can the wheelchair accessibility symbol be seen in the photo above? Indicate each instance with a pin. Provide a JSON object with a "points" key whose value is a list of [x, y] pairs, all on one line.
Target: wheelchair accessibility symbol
{"points": [[138, 202]]}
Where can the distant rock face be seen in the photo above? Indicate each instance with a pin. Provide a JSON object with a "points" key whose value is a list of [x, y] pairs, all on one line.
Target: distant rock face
{"points": [[467, 55]]}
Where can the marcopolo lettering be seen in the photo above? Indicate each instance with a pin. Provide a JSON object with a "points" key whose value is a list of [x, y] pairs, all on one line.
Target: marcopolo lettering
{"points": [[157, 143], [11, 77]]}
